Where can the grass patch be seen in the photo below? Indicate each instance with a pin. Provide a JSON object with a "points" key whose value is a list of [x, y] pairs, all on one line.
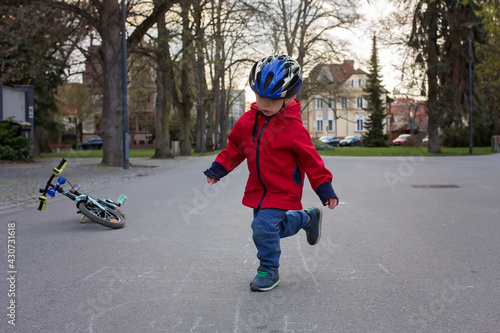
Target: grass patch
{"points": [[96, 153], [403, 151], [338, 151], [215, 152]]}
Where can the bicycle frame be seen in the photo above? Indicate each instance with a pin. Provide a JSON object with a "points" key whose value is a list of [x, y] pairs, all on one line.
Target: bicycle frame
{"points": [[74, 195], [103, 211]]}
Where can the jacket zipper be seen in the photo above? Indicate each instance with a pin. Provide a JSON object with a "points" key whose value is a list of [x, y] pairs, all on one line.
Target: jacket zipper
{"points": [[257, 162]]}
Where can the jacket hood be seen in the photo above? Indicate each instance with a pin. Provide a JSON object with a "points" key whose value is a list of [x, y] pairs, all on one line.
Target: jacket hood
{"points": [[291, 110]]}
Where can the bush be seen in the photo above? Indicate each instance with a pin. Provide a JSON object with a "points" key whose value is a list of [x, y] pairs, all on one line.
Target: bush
{"points": [[12, 146], [321, 145]]}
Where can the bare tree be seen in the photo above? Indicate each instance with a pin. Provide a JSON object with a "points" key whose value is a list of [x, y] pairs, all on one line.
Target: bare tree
{"points": [[227, 37], [437, 41], [177, 58], [302, 27], [35, 49], [105, 17], [164, 89]]}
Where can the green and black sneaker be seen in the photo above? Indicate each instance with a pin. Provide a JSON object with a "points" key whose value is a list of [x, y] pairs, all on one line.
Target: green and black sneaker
{"points": [[313, 228], [265, 281]]}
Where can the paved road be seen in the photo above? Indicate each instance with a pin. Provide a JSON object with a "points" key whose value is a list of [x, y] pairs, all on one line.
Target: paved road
{"points": [[393, 257], [19, 183]]}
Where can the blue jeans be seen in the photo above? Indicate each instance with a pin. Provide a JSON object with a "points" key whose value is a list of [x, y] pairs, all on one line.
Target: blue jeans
{"points": [[269, 226]]}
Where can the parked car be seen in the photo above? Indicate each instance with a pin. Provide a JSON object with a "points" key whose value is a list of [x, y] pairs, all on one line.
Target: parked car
{"points": [[330, 140], [351, 141], [402, 140], [95, 143]]}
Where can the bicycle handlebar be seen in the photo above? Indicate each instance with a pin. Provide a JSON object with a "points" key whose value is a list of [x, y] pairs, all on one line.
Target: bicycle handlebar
{"points": [[55, 172], [60, 167], [43, 201]]}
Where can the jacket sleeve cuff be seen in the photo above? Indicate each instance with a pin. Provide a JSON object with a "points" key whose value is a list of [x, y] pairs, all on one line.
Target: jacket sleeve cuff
{"points": [[216, 171], [325, 191]]}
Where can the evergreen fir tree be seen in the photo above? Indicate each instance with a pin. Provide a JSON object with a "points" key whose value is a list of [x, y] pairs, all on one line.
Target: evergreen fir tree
{"points": [[374, 135]]}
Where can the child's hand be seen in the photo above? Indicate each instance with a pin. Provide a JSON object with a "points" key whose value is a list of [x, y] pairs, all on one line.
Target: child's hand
{"points": [[332, 203], [211, 180]]}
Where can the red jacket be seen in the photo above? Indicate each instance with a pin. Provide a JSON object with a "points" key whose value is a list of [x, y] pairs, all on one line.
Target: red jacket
{"points": [[278, 150]]}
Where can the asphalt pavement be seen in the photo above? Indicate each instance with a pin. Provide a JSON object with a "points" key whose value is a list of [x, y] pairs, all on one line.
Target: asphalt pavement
{"points": [[412, 247]]}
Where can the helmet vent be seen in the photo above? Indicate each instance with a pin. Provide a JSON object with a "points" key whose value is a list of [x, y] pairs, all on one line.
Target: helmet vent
{"points": [[257, 80], [277, 87], [269, 79]]}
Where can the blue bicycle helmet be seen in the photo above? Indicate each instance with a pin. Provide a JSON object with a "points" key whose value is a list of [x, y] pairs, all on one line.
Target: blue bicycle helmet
{"points": [[276, 77]]}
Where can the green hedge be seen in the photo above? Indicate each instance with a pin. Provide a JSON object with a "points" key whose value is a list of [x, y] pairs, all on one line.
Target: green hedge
{"points": [[321, 146], [12, 146]]}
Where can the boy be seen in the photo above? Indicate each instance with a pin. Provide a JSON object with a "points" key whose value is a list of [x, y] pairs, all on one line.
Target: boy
{"points": [[279, 151]]}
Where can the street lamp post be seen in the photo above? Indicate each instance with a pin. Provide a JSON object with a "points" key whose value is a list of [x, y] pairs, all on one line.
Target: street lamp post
{"points": [[124, 90], [469, 26], [201, 107]]}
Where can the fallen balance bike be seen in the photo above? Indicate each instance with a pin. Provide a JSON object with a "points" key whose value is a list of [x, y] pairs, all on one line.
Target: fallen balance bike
{"points": [[103, 210]]}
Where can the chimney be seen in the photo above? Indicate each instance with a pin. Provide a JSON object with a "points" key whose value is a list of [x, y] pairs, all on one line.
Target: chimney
{"points": [[349, 63]]}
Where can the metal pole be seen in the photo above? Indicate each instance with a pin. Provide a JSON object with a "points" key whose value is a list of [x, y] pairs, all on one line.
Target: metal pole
{"points": [[201, 107], [124, 89], [470, 92]]}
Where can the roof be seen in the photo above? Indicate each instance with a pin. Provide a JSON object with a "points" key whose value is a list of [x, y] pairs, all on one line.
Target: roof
{"points": [[339, 73], [405, 105]]}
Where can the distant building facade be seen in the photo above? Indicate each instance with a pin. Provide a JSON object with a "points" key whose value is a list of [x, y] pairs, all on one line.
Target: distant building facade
{"points": [[236, 106], [335, 101], [408, 116], [17, 104]]}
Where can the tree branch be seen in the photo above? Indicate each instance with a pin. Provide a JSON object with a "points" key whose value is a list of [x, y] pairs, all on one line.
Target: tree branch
{"points": [[161, 7], [62, 5]]}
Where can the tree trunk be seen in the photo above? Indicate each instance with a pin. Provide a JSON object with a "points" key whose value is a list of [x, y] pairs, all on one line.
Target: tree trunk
{"points": [[162, 121], [496, 118], [199, 65], [433, 145], [111, 126], [185, 129], [41, 142], [185, 104], [209, 124], [164, 93], [223, 116]]}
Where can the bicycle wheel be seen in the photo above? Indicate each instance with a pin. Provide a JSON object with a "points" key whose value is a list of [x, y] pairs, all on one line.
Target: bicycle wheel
{"points": [[108, 218], [107, 204]]}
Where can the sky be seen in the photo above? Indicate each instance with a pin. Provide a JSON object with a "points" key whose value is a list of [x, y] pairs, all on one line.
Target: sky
{"points": [[361, 42]]}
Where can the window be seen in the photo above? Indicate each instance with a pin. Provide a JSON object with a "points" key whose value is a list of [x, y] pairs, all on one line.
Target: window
{"points": [[319, 103], [344, 103], [360, 82], [319, 125], [352, 83], [330, 125], [359, 102], [360, 122]]}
